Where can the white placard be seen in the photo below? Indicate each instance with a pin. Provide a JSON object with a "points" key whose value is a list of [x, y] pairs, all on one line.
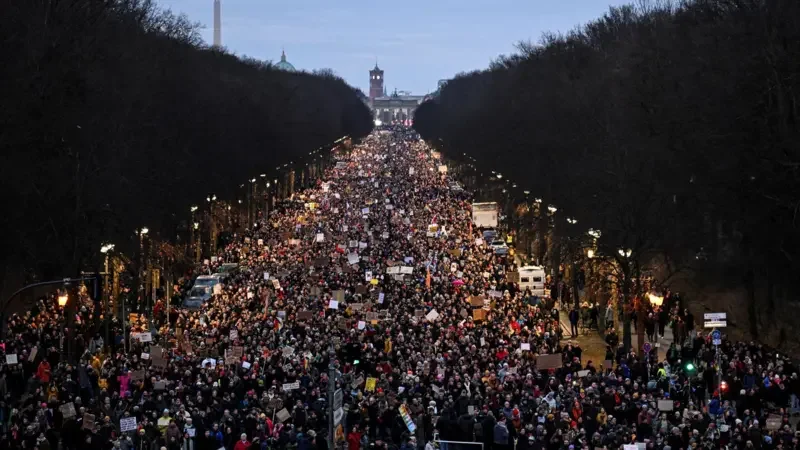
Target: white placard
{"points": [[583, 373], [146, 337], [352, 258], [333, 304], [525, 346], [364, 210], [11, 359], [245, 365], [266, 276], [381, 296], [432, 316], [368, 276], [234, 334], [320, 237], [260, 242], [291, 386], [362, 245], [361, 324], [127, 424], [353, 244], [145, 355]]}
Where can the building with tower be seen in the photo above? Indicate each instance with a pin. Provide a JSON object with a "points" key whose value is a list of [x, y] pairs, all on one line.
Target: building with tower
{"points": [[398, 107]]}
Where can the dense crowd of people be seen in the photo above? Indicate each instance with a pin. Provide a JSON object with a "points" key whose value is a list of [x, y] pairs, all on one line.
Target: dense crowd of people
{"points": [[378, 271]]}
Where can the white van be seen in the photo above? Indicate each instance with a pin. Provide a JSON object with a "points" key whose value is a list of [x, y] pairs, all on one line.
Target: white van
{"points": [[533, 278]]}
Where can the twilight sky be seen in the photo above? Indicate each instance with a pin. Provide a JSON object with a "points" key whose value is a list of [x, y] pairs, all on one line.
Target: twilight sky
{"points": [[416, 42]]}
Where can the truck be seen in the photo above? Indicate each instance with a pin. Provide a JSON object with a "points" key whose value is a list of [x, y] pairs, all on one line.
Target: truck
{"points": [[484, 215], [533, 278]]}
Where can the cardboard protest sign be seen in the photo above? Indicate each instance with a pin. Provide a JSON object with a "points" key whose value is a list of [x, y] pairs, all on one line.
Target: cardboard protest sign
{"points": [[476, 300], [88, 421], [282, 415], [237, 351], [545, 362], [305, 315], [371, 316], [478, 314], [67, 410], [353, 258], [361, 289], [137, 375], [338, 295], [512, 277]]}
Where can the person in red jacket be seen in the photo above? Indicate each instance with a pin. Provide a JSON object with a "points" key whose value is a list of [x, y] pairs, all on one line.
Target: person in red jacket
{"points": [[43, 372], [242, 444], [354, 439]]}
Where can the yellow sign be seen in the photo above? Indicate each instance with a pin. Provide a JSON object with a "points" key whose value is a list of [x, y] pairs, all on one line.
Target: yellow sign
{"points": [[374, 281], [370, 386]]}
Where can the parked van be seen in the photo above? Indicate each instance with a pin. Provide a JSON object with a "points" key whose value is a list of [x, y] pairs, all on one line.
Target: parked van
{"points": [[533, 278]]}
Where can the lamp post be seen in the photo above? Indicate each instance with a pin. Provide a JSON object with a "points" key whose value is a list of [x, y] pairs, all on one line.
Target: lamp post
{"points": [[192, 229], [142, 232], [105, 249]]}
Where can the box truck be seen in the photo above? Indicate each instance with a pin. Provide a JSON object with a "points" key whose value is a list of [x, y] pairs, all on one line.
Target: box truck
{"points": [[484, 215]]}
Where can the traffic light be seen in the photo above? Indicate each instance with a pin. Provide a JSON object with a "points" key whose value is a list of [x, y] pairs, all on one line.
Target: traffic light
{"points": [[689, 368], [723, 386]]}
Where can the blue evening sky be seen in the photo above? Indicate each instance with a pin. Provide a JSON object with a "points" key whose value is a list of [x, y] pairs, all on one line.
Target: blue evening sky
{"points": [[416, 42]]}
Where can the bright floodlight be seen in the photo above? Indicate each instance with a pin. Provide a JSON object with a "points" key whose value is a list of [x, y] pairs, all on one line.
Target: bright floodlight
{"points": [[378, 122], [144, 230]]}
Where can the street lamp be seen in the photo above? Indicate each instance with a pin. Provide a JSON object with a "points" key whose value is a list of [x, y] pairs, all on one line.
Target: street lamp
{"points": [[571, 221], [196, 225], [590, 253], [526, 192], [625, 253], [552, 209], [63, 297], [537, 200], [594, 233], [193, 209], [106, 248]]}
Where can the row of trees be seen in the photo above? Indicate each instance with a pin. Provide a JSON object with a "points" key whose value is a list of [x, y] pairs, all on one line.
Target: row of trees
{"points": [[116, 116], [671, 128]]}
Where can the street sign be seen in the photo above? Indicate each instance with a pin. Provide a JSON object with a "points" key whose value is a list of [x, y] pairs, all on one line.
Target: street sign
{"points": [[716, 337], [715, 320], [647, 347], [338, 396]]}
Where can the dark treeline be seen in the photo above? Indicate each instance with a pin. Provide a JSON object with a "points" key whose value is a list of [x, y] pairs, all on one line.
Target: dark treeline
{"points": [[115, 116], [672, 128]]}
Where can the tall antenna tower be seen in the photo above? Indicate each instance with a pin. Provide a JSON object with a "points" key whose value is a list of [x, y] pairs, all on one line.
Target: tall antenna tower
{"points": [[217, 24]]}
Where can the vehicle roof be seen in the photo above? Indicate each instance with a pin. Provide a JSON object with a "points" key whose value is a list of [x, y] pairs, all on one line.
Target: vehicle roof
{"points": [[530, 268], [208, 277]]}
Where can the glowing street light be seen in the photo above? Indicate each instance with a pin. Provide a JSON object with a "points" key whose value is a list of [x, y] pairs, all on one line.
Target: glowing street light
{"points": [[526, 192], [106, 248], [63, 297], [590, 253], [594, 233], [655, 299], [144, 231], [193, 208], [196, 225], [537, 200], [552, 209], [571, 221], [624, 253]]}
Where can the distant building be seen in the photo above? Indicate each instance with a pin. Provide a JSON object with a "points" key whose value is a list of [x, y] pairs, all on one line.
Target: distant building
{"points": [[284, 64], [396, 108]]}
